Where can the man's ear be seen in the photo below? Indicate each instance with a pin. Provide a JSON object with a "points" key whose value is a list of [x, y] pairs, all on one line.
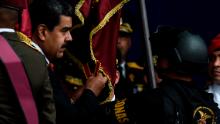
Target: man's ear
{"points": [[41, 31]]}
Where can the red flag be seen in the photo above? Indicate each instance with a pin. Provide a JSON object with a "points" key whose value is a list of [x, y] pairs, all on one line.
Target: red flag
{"points": [[102, 18], [25, 24]]}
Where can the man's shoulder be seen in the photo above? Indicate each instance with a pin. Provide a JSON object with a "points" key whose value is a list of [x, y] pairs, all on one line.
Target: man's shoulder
{"points": [[22, 50]]}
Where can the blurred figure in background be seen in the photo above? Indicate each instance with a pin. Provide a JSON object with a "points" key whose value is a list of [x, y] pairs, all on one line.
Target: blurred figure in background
{"points": [[176, 101], [123, 45], [181, 56], [214, 68], [133, 74]]}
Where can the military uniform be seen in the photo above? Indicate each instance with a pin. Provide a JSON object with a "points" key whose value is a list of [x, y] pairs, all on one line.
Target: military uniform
{"points": [[35, 67], [132, 74], [176, 100], [67, 78]]}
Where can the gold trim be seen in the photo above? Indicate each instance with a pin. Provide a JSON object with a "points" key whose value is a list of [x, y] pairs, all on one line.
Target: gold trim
{"points": [[108, 99], [74, 80], [135, 65], [78, 13], [26, 40], [125, 27], [103, 22], [204, 115]]}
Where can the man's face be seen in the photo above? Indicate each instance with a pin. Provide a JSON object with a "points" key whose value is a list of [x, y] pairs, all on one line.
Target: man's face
{"points": [[123, 45], [55, 40], [214, 66]]}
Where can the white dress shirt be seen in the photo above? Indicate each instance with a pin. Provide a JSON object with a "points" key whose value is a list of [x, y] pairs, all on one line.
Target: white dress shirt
{"points": [[6, 30], [41, 51], [215, 90]]}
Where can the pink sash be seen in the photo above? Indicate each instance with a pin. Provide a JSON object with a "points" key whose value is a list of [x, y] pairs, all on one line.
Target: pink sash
{"points": [[19, 81]]}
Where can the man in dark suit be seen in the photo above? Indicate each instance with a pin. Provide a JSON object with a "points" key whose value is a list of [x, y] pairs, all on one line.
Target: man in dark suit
{"points": [[52, 21], [35, 68]]}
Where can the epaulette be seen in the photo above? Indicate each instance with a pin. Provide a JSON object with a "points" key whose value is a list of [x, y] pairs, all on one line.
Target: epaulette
{"points": [[134, 65], [73, 80], [26, 40]]}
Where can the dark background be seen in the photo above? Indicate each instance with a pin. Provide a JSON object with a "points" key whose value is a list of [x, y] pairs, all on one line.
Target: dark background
{"points": [[201, 16]]}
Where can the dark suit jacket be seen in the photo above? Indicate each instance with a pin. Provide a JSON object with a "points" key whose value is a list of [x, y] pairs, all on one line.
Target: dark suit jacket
{"points": [[36, 70], [84, 111]]}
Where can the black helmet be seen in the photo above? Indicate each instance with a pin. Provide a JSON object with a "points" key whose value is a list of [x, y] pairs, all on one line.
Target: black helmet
{"points": [[186, 51]]}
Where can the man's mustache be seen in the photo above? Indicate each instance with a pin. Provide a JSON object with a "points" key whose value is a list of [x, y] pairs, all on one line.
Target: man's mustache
{"points": [[64, 45]]}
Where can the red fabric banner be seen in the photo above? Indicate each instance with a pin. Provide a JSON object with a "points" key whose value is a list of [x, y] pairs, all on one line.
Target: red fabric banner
{"points": [[25, 25], [103, 16]]}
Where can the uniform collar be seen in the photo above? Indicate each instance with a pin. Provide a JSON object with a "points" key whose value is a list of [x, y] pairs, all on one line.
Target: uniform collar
{"points": [[32, 43], [41, 51], [6, 30], [215, 87]]}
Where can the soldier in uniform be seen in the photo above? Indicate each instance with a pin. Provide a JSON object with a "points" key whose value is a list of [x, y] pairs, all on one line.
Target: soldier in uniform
{"points": [[214, 68], [133, 77], [123, 45], [176, 101], [182, 55], [34, 66]]}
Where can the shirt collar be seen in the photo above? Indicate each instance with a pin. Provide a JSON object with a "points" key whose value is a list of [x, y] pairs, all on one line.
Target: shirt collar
{"points": [[6, 30], [216, 86], [41, 51]]}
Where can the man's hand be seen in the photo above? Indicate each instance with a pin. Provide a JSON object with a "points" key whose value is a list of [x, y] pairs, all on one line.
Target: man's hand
{"points": [[96, 83]]}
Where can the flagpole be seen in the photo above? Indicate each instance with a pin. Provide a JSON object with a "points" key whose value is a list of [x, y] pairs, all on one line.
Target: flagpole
{"points": [[150, 66]]}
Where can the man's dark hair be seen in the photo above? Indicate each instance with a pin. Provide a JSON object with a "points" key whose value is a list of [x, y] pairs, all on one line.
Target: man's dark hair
{"points": [[48, 12]]}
